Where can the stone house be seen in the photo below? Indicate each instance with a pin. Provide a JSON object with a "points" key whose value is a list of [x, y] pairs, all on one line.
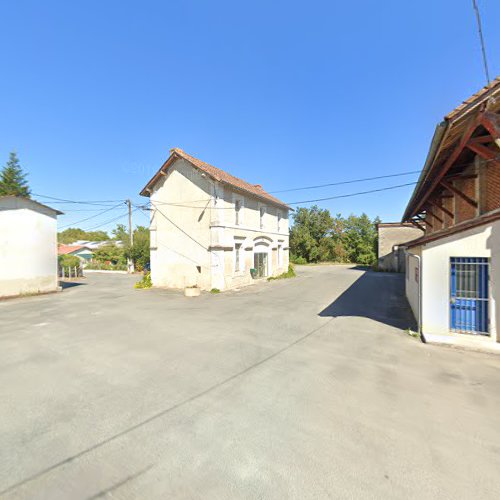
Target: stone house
{"points": [[28, 247], [392, 237], [211, 229]]}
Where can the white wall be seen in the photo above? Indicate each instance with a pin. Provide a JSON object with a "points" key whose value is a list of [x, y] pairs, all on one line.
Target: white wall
{"points": [[28, 249], [180, 235], [483, 241]]}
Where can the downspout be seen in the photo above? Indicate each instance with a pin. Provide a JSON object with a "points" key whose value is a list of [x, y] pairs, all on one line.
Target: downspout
{"points": [[420, 287]]}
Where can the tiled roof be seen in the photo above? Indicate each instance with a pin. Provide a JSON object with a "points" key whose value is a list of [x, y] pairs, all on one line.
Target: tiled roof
{"points": [[218, 175], [474, 99], [66, 249]]}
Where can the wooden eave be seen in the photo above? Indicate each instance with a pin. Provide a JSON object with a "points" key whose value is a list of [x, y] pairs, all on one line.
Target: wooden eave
{"points": [[467, 133]]}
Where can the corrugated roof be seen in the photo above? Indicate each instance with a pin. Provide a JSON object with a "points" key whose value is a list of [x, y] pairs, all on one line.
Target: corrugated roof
{"points": [[217, 174]]}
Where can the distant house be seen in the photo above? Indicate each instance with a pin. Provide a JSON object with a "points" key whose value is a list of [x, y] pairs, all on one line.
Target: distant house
{"points": [[94, 245], [453, 270], [28, 247], [392, 237], [211, 229], [83, 252]]}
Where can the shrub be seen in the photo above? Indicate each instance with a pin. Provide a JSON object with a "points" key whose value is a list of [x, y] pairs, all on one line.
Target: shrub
{"points": [[105, 266], [145, 282], [69, 261], [288, 274], [299, 260], [215, 290]]}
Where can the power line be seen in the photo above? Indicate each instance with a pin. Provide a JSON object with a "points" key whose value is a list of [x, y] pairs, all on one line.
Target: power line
{"points": [[91, 217], [110, 220], [89, 202], [345, 182], [481, 40], [181, 230], [351, 194]]}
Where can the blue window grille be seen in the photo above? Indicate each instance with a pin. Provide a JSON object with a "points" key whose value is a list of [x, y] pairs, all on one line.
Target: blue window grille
{"points": [[469, 298]]}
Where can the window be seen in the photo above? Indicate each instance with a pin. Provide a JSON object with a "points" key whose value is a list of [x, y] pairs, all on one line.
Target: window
{"points": [[279, 220], [237, 257], [262, 213], [237, 209]]}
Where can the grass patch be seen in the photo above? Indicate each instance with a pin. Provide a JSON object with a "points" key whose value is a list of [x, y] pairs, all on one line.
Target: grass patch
{"points": [[411, 333], [145, 282], [289, 274], [215, 290]]}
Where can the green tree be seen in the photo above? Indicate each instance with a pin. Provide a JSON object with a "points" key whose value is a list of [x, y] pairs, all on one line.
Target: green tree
{"points": [[110, 254], [310, 233], [73, 234], [316, 236], [69, 261], [120, 233], [13, 180], [360, 239], [139, 252]]}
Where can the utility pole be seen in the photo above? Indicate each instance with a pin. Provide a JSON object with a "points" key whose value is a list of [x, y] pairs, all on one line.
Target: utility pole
{"points": [[130, 263]]}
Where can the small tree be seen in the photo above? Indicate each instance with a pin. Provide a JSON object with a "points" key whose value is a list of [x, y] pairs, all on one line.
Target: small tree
{"points": [[13, 180], [69, 261]]}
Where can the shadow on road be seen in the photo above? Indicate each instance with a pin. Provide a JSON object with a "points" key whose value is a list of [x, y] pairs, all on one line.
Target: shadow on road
{"points": [[378, 296], [70, 284]]}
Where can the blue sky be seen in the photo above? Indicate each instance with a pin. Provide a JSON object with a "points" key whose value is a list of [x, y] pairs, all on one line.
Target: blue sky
{"points": [[285, 94]]}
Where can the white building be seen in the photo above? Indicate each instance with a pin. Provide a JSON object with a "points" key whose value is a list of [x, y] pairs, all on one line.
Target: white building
{"points": [[28, 247], [453, 271], [210, 229]]}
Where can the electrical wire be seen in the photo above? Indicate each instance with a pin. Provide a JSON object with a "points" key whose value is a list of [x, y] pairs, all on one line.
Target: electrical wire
{"points": [[62, 200], [345, 182], [110, 220], [481, 40], [91, 217], [181, 230], [351, 194]]}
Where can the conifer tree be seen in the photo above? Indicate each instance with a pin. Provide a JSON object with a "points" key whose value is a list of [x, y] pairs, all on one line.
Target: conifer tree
{"points": [[13, 180]]}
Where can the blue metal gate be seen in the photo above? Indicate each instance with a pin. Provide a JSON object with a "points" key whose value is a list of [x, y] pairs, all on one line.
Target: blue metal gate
{"points": [[469, 295]]}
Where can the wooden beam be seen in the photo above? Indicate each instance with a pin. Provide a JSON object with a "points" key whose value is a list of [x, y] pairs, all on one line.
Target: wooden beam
{"points": [[425, 221], [433, 214], [440, 207], [481, 139], [473, 124], [416, 224], [459, 193], [460, 176], [485, 152], [491, 122]]}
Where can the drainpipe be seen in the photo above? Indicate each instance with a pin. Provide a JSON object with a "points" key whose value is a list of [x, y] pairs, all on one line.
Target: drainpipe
{"points": [[420, 281]]}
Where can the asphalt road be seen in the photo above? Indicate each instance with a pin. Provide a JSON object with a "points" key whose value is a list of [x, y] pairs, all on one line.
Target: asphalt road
{"points": [[306, 388]]}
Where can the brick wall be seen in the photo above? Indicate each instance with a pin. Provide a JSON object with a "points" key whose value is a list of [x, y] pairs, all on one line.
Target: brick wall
{"points": [[448, 204], [492, 187], [464, 211]]}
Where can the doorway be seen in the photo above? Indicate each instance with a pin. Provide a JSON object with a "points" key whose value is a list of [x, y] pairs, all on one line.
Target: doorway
{"points": [[260, 264], [469, 295]]}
